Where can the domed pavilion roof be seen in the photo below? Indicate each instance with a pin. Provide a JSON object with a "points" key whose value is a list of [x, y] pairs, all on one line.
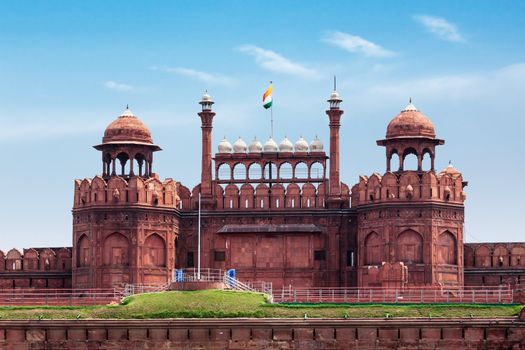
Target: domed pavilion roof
{"points": [[410, 122], [127, 128]]}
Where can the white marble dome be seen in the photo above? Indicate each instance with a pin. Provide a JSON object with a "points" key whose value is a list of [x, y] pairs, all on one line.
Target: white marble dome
{"points": [[301, 145], [286, 145], [255, 146], [239, 146], [225, 146], [270, 146], [316, 145]]}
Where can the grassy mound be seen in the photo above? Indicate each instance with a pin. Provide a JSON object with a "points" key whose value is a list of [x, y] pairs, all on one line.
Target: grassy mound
{"points": [[229, 304]]}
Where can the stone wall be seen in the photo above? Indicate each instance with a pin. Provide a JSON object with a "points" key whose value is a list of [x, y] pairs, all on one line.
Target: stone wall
{"points": [[264, 334]]}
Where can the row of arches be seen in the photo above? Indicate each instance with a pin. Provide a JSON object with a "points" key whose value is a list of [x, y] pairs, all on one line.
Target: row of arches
{"points": [[497, 255], [410, 159], [270, 170], [41, 259], [116, 251], [409, 248], [408, 185], [127, 164]]}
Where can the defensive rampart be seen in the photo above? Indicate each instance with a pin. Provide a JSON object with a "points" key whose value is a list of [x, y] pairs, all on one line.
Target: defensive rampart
{"points": [[264, 334]]}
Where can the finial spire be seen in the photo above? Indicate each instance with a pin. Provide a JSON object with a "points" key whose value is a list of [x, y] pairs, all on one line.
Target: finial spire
{"points": [[410, 100], [335, 83]]}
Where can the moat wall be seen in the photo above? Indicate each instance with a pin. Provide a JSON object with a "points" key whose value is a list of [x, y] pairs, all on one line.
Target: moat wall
{"points": [[264, 334]]}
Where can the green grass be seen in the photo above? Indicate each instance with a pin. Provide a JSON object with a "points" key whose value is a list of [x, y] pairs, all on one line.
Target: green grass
{"points": [[216, 303]]}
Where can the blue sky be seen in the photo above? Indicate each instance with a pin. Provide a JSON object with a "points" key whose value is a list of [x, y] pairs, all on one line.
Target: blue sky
{"points": [[67, 69]]}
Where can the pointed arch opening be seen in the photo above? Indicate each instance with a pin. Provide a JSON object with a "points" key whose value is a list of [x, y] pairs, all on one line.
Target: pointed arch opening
{"points": [[410, 247], [155, 251]]}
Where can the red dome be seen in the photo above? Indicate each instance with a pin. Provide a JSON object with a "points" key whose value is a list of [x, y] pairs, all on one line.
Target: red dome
{"points": [[127, 128], [410, 123]]}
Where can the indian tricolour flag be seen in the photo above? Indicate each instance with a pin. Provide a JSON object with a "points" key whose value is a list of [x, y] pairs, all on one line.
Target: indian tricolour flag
{"points": [[267, 98]]}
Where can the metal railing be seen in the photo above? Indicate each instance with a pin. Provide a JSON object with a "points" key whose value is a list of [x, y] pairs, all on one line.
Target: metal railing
{"points": [[496, 295], [57, 297]]}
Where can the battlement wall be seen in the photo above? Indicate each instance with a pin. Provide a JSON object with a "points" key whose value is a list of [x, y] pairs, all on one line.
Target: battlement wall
{"points": [[118, 191], [262, 196], [409, 186]]}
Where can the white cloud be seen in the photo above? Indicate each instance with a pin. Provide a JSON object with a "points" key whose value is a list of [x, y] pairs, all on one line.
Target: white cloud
{"points": [[356, 44], [211, 78], [112, 85], [272, 61], [442, 28]]}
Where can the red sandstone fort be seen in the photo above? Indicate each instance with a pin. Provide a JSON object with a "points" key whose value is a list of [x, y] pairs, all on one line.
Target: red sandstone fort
{"points": [[277, 213]]}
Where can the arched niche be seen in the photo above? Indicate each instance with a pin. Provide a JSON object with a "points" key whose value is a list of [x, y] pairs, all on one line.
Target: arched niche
{"points": [[373, 249], [483, 256], [155, 251], [410, 247], [116, 250], [447, 249]]}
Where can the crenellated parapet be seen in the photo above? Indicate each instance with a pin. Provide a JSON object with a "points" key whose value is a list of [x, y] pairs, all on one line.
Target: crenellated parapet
{"points": [[36, 259], [119, 191], [280, 196], [409, 186]]}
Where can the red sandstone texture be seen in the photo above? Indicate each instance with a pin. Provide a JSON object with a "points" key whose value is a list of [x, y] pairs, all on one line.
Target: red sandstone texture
{"points": [[276, 215], [264, 334]]}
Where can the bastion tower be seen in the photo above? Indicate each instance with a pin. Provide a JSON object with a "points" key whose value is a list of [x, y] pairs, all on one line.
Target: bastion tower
{"points": [[410, 222], [125, 221]]}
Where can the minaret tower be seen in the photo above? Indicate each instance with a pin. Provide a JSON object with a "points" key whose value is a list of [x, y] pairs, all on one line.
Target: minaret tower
{"points": [[334, 116], [206, 116]]}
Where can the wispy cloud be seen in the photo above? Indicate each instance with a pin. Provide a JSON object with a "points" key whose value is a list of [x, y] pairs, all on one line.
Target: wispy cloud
{"points": [[113, 85], [206, 77], [272, 61], [442, 28], [356, 44]]}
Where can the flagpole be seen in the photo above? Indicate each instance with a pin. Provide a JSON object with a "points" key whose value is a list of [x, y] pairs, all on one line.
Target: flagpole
{"points": [[271, 113]]}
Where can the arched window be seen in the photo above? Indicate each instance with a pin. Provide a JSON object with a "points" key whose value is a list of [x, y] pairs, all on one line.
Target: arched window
{"points": [[155, 251], [427, 161], [116, 250], [446, 247], [285, 171], [301, 170], [124, 164], [254, 171], [410, 159], [316, 171], [224, 172], [270, 171], [410, 247], [239, 171], [373, 249]]}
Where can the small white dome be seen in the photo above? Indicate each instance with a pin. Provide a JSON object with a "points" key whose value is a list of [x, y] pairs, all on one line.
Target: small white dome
{"points": [[239, 146], [206, 97], [301, 145], [316, 145], [127, 113], [225, 146], [286, 145], [270, 146], [334, 96], [255, 146]]}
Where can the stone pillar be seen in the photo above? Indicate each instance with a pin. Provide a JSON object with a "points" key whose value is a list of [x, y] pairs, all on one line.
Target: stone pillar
{"points": [[206, 116], [334, 115]]}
